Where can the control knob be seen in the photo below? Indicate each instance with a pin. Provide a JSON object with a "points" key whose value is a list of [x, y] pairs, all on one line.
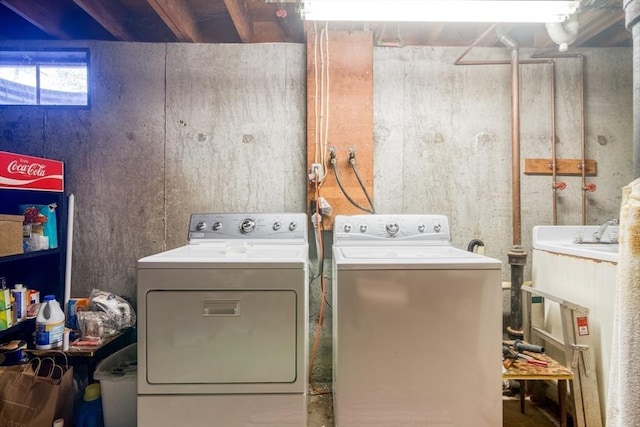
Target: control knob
{"points": [[437, 227], [276, 226], [392, 227], [201, 226], [363, 228], [217, 226], [247, 226], [347, 228], [421, 228], [293, 226]]}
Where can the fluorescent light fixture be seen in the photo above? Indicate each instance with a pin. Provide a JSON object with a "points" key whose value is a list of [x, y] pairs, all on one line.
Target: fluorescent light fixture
{"points": [[439, 10]]}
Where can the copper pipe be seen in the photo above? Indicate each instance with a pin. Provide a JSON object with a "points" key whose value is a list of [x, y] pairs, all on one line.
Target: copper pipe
{"points": [[474, 44], [554, 165], [583, 142], [515, 147]]}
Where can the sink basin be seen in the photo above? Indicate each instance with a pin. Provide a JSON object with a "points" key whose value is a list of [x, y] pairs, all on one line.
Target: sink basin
{"points": [[562, 239]]}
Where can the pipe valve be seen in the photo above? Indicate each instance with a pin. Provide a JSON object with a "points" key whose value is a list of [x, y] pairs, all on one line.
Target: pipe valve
{"points": [[559, 185]]}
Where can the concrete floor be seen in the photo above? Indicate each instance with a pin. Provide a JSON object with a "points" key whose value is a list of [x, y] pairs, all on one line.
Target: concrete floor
{"points": [[321, 413]]}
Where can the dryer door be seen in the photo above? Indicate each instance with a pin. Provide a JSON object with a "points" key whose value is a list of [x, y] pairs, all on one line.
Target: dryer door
{"points": [[221, 336]]}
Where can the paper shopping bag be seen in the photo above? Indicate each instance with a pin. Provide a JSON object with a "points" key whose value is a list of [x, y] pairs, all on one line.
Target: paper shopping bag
{"points": [[36, 396]]}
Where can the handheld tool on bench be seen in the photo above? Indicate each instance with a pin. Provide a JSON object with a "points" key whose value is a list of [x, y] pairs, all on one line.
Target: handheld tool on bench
{"points": [[509, 353]]}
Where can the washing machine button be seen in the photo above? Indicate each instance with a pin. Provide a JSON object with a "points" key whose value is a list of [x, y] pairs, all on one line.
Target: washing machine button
{"points": [[347, 228], [363, 228], [293, 226], [201, 226], [421, 228], [437, 227], [217, 226], [276, 226]]}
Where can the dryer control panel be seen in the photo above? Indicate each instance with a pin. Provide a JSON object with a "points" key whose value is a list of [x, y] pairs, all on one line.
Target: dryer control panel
{"points": [[423, 229], [247, 226]]}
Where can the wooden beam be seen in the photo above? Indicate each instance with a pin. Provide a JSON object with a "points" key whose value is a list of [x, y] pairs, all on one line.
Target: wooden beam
{"points": [[179, 19], [600, 24], [46, 15], [240, 19], [108, 14]]}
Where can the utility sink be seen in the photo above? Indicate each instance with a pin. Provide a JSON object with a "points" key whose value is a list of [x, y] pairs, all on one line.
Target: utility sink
{"points": [[577, 240]]}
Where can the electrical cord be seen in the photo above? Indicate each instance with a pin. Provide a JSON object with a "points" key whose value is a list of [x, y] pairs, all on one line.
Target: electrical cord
{"points": [[352, 162], [333, 162], [316, 220]]}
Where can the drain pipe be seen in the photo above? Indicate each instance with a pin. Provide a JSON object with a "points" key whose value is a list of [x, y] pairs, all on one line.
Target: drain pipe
{"points": [[632, 21], [516, 256]]}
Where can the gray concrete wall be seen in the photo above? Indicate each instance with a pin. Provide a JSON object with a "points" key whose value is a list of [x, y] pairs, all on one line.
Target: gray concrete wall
{"points": [[179, 128]]}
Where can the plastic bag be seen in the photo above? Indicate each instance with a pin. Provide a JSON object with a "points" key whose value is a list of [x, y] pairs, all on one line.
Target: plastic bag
{"points": [[119, 312], [95, 325]]}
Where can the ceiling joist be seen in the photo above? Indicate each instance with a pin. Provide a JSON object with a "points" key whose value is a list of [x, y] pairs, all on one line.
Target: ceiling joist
{"points": [[240, 19], [109, 15], [45, 15], [178, 19]]}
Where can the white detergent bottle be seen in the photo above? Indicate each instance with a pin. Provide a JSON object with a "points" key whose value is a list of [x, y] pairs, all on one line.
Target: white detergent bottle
{"points": [[49, 324]]}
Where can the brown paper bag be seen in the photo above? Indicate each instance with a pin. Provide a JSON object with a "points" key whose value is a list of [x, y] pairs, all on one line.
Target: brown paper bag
{"points": [[36, 394]]}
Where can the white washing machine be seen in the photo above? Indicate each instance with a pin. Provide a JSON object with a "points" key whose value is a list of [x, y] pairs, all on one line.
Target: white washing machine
{"points": [[222, 325], [417, 326]]}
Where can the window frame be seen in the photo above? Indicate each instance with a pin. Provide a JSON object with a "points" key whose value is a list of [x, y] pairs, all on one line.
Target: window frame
{"points": [[48, 57]]}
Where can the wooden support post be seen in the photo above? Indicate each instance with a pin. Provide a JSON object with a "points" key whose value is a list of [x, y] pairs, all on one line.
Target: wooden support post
{"points": [[340, 114]]}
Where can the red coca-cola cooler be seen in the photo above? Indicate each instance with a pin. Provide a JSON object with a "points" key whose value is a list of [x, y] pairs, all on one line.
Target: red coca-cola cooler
{"points": [[18, 171]]}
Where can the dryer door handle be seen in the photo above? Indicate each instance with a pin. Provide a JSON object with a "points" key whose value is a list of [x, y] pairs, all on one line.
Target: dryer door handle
{"points": [[220, 308]]}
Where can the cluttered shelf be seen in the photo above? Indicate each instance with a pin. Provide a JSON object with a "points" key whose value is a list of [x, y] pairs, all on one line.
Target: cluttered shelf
{"points": [[29, 255]]}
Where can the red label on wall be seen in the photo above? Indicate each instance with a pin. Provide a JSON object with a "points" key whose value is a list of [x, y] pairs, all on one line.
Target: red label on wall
{"points": [[22, 172], [583, 325]]}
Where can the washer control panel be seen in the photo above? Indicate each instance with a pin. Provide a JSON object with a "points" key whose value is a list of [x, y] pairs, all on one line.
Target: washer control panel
{"points": [[226, 226], [393, 228]]}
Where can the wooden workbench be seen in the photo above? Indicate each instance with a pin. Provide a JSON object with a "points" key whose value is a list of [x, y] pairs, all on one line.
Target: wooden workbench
{"points": [[522, 371]]}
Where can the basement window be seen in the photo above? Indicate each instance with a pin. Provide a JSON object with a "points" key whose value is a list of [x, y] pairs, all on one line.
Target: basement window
{"points": [[46, 77]]}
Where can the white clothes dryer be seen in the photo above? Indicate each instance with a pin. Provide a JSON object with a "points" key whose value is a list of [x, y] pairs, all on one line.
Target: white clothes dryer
{"points": [[222, 325], [417, 326]]}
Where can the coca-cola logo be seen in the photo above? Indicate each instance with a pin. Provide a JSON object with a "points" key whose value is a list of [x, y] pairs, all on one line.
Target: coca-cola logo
{"points": [[25, 168]]}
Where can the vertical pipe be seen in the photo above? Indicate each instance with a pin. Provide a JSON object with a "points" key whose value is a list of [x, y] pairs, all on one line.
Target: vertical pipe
{"points": [[71, 207], [517, 257], [636, 98], [583, 143], [632, 19], [515, 146], [554, 184]]}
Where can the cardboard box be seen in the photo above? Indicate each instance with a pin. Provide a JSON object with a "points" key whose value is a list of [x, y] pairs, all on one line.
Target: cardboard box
{"points": [[11, 234]]}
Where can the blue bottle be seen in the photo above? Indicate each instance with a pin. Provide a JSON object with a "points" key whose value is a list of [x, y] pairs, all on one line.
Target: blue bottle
{"points": [[90, 412]]}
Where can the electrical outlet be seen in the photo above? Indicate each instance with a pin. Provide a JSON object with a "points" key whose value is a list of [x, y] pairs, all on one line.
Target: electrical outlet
{"points": [[316, 172]]}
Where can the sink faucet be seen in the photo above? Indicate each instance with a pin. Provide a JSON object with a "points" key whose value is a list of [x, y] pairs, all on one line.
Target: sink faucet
{"points": [[598, 234]]}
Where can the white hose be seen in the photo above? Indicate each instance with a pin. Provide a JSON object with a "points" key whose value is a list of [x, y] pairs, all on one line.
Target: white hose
{"points": [[67, 269]]}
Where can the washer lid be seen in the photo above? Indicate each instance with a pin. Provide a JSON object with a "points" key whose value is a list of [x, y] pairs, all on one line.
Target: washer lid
{"points": [[412, 257]]}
